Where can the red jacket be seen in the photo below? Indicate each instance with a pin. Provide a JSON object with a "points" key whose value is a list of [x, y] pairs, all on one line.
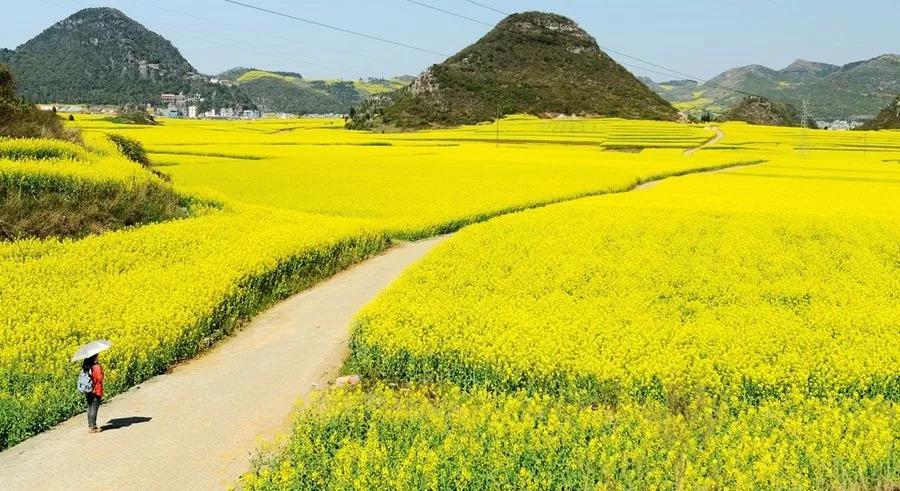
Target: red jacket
{"points": [[97, 378]]}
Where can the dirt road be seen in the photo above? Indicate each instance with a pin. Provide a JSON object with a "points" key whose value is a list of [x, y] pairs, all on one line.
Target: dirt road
{"points": [[198, 426]]}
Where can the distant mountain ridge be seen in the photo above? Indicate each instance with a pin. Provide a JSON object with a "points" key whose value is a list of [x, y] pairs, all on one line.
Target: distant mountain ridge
{"points": [[531, 62], [832, 91], [101, 56], [289, 92]]}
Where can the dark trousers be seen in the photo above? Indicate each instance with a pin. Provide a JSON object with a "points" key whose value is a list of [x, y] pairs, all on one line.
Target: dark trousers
{"points": [[93, 404]]}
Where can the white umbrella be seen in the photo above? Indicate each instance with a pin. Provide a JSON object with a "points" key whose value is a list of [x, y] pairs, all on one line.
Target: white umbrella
{"points": [[91, 349]]}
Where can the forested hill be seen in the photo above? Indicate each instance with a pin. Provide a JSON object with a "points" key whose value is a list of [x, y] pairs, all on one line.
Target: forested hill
{"points": [[101, 56], [532, 62]]}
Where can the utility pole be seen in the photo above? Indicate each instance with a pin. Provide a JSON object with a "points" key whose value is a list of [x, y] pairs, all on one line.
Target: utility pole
{"points": [[498, 125], [865, 143], [804, 124]]}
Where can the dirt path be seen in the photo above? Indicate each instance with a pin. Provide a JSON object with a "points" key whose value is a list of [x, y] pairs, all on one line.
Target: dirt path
{"points": [[718, 136], [197, 427]]}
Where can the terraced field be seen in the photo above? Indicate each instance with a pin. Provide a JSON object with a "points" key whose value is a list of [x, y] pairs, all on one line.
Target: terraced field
{"points": [[448, 183]]}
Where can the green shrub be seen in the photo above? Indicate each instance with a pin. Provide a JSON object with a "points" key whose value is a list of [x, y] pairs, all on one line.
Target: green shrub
{"points": [[76, 209], [131, 149], [134, 151], [132, 114]]}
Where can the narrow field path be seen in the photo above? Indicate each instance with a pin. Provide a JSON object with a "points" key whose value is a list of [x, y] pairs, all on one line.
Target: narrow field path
{"points": [[715, 139], [198, 426]]}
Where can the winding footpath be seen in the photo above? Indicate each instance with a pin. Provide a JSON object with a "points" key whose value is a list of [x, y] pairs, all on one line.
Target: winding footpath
{"points": [[198, 426], [712, 141]]}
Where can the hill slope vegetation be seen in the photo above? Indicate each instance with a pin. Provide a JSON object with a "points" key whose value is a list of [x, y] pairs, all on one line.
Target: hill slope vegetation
{"points": [[759, 110], [279, 91], [858, 88], [887, 119], [533, 63], [101, 56]]}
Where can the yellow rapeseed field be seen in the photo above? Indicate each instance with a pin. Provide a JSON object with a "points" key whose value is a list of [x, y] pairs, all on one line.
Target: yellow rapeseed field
{"points": [[732, 330], [414, 183], [289, 202], [444, 438], [745, 284], [53, 160], [729, 330], [161, 292]]}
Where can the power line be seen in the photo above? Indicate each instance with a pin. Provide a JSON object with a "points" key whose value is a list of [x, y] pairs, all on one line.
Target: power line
{"points": [[217, 39], [670, 71], [315, 61], [454, 14], [336, 28], [473, 2], [470, 19], [432, 7], [678, 72], [226, 42]]}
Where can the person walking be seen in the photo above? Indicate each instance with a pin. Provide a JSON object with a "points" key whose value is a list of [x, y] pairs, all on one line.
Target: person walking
{"points": [[91, 383]]}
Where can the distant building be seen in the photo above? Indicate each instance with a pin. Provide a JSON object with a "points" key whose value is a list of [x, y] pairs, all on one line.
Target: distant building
{"points": [[192, 112], [220, 81], [279, 115], [170, 112], [209, 114], [173, 99], [839, 124], [324, 115], [250, 114], [226, 112], [71, 109]]}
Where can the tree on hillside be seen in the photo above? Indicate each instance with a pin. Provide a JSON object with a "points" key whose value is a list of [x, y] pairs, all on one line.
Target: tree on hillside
{"points": [[7, 83], [888, 118], [20, 119]]}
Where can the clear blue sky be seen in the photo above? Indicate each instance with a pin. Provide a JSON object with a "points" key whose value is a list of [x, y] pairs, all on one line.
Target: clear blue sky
{"points": [[699, 37]]}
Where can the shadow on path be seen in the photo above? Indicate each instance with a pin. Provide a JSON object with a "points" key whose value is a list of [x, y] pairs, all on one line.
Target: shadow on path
{"points": [[116, 423]]}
